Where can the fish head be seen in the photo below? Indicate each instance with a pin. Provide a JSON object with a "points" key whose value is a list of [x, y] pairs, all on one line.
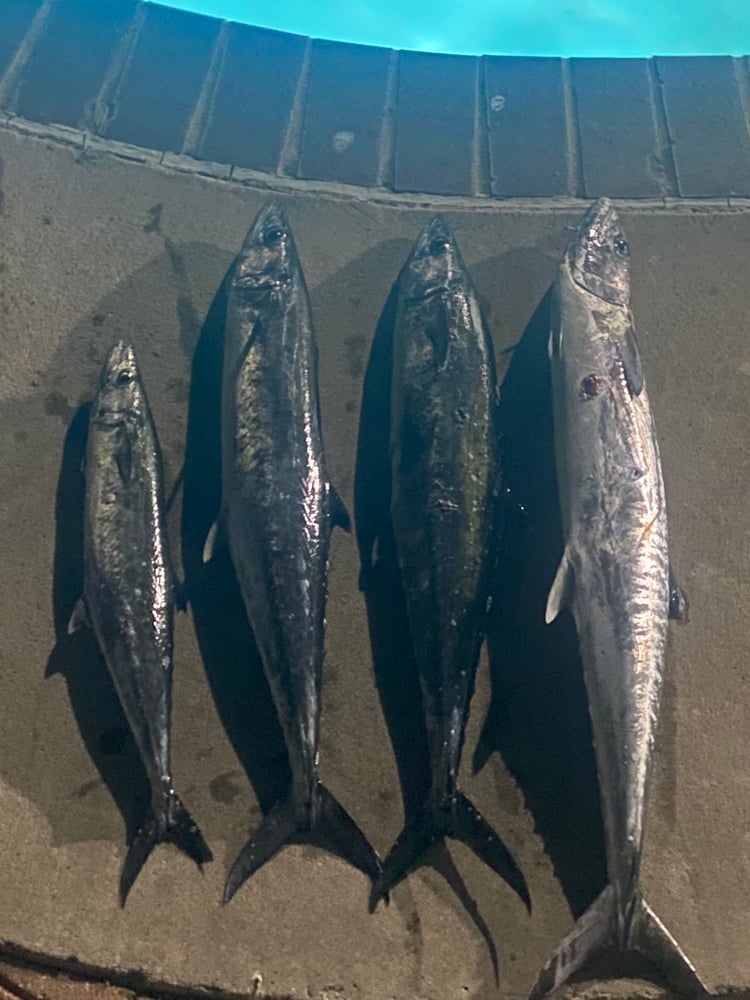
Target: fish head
{"points": [[120, 393], [599, 255], [434, 264], [268, 258]]}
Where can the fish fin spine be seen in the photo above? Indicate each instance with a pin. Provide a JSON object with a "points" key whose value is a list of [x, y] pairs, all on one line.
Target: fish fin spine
{"points": [[561, 589]]}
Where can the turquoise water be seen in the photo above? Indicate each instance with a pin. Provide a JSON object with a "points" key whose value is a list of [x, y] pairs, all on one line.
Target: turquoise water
{"points": [[513, 27]]}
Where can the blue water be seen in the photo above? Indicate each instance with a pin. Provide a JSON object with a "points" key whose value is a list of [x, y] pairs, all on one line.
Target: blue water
{"points": [[512, 27]]}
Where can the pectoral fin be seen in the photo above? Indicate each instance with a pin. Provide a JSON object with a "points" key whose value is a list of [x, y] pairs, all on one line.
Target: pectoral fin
{"points": [[678, 602], [631, 362], [124, 456], [214, 539], [561, 590], [439, 334], [79, 618]]}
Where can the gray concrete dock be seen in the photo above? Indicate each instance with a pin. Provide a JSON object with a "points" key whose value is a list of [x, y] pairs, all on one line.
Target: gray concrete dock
{"points": [[96, 247]]}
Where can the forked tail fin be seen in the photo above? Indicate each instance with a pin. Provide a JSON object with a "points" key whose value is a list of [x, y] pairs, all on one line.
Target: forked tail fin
{"points": [[175, 825], [327, 825], [462, 821], [596, 929]]}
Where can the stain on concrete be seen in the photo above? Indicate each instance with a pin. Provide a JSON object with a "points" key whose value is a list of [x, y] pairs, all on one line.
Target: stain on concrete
{"points": [[351, 406], [154, 221], [57, 405], [20, 436], [2, 194], [46, 220], [88, 786], [225, 788], [178, 389], [3, 266], [175, 259], [356, 352], [98, 320]]}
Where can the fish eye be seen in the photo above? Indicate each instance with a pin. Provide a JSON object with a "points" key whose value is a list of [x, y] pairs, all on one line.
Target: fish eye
{"points": [[621, 247], [124, 377], [438, 247], [272, 237]]}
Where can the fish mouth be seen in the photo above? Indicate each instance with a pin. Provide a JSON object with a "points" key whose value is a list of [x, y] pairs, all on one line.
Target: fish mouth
{"points": [[120, 355], [599, 218]]}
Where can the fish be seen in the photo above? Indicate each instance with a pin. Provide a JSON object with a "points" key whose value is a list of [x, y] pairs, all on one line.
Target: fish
{"points": [[278, 511], [614, 576], [130, 593], [444, 505]]}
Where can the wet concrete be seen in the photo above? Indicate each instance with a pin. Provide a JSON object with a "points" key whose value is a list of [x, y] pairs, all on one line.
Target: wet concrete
{"points": [[93, 248]]}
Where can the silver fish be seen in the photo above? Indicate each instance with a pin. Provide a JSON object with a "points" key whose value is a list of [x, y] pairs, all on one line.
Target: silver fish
{"points": [[129, 592], [614, 575], [445, 476], [278, 512]]}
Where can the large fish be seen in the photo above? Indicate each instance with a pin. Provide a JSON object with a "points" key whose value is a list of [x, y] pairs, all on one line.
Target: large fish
{"points": [[444, 459], [278, 512], [129, 592], [614, 575]]}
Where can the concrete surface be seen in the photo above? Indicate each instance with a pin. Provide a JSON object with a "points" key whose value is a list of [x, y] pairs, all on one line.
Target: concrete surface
{"points": [[93, 248]]}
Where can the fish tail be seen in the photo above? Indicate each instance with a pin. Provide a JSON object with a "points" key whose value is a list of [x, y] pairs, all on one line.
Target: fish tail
{"points": [[597, 929], [174, 824], [462, 821], [323, 823]]}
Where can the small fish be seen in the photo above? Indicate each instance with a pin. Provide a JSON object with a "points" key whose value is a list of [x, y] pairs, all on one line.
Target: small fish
{"points": [[129, 593], [445, 477], [614, 576], [278, 511]]}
